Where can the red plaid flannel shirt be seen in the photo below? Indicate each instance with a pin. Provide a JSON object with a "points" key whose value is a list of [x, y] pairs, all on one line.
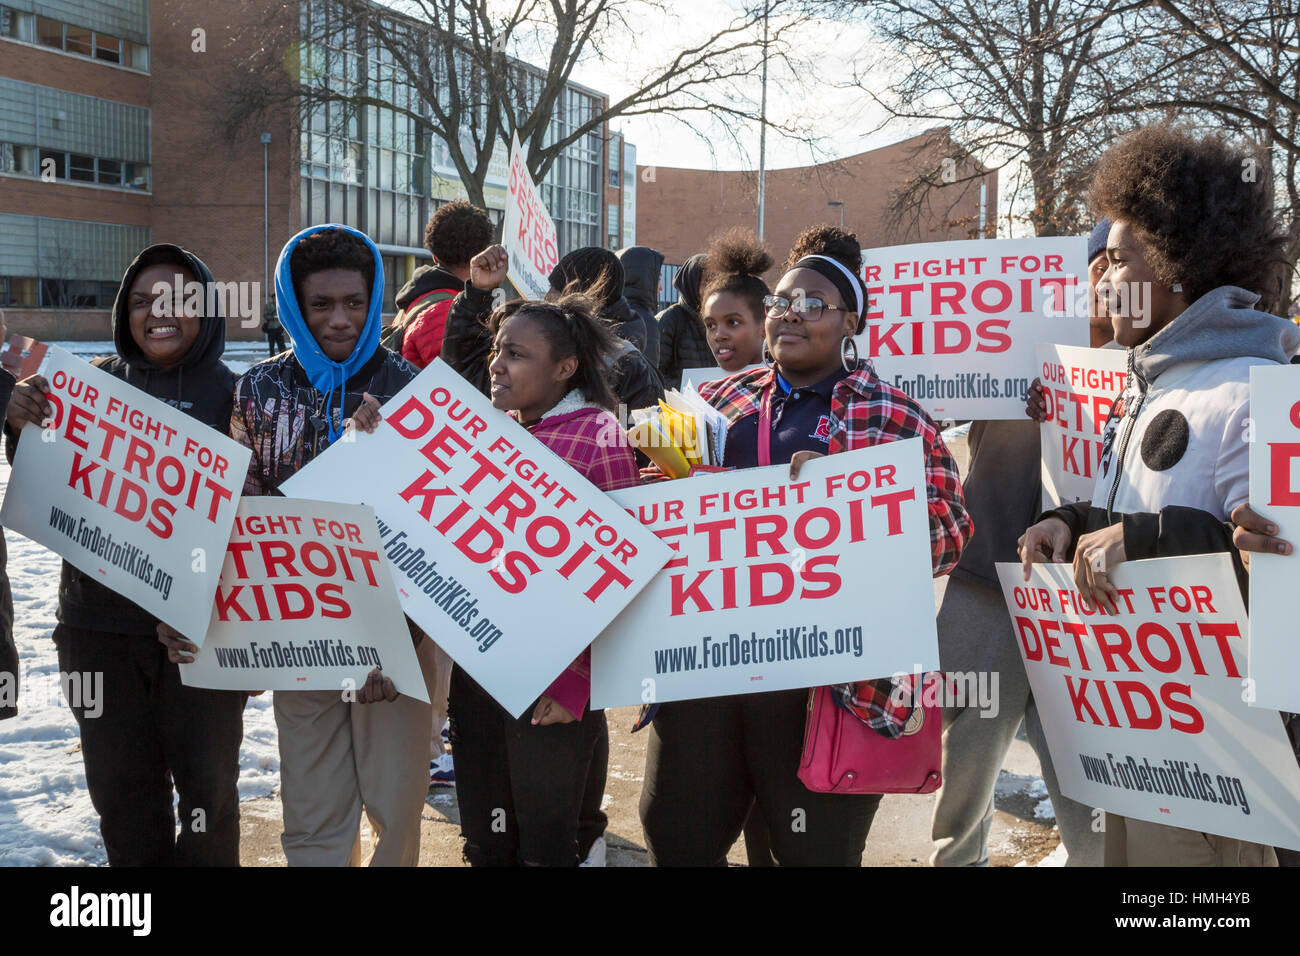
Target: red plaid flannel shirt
{"points": [[865, 412]]}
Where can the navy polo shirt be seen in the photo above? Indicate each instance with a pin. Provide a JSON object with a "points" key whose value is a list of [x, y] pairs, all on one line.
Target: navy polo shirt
{"points": [[801, 421]]}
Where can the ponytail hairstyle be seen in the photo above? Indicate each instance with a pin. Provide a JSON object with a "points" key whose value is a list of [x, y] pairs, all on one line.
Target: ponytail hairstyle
{"points": [[833, 243], [735, 263], [573, 329]]}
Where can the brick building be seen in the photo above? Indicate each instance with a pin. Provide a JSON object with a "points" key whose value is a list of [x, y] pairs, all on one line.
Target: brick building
{"points": [[867, 185], [110, 140]]}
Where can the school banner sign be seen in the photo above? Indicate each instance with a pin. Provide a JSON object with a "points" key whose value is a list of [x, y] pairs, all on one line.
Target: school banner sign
{"points": [[134, 493], [305, 602], [504, 554], [778, 584], [954, 324], [1144, 711], [528, 233], [1275, 494], [1079, 388]]}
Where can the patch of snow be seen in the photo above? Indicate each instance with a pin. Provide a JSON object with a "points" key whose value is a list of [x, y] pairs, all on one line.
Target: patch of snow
{"points": [[46, 818]]}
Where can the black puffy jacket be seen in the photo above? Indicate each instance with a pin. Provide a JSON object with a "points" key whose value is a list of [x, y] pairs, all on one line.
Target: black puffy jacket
{"points": [[641, 289], [682, 342], [8, 650]]}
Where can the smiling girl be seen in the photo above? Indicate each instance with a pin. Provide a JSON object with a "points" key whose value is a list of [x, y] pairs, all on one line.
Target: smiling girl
{"points": [[709, 759], [547, 369]]}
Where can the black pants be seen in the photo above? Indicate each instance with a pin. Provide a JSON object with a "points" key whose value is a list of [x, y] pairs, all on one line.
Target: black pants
{"points": [[521, 789], [145, 731], [709, 760], [275, 341]]}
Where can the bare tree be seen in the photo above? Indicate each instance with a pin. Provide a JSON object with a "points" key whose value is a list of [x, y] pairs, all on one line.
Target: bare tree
{"points": [[1237, 63], [469, 63], [1028, 85]]}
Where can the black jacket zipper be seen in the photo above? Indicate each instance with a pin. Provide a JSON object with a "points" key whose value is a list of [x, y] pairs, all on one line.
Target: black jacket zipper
{"points": [[1131, 415]]}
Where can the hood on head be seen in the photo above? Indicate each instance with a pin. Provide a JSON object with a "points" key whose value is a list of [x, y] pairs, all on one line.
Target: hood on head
{"points": [[1221, 324], [586, 267], [211, 340], [641, 275], [324, 373], [688, 280], [426, 279]]}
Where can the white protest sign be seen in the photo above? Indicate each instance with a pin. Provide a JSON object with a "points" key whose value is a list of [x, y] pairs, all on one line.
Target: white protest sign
{"points": [[1079, 387], [305, 602], [129, 490], [698, 376], [954, 324], [528, 232], [1143, 710], [1275, 494], [778, 584], [504, 554]]}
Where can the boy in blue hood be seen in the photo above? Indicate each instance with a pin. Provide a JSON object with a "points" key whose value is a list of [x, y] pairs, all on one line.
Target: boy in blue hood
{"points": [[336, 756], [146, 730]]}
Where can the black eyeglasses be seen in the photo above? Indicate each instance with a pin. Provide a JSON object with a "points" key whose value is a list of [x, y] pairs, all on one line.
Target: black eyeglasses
{"points": [[807, 308]]}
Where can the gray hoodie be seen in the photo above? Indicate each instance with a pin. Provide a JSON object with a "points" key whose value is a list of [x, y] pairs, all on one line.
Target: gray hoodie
{"points": [[1179, 434]]}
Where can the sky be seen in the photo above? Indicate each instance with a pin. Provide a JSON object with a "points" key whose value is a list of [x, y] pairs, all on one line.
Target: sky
{"points": [[821, 96]]}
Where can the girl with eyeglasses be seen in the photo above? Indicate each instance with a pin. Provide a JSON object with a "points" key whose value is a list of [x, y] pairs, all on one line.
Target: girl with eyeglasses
{"points": [[548, 368], [709, 760]]}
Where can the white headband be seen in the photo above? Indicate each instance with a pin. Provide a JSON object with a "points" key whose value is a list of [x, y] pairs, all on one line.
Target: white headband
{"points": [[854, 282]]}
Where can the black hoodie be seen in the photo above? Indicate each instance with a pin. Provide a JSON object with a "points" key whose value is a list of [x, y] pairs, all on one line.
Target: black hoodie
{"points": [[641, 289], [200, 385], [682, 342]]}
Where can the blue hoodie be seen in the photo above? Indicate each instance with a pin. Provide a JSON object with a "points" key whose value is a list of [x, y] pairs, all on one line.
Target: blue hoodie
{"points": [[324, 373]]}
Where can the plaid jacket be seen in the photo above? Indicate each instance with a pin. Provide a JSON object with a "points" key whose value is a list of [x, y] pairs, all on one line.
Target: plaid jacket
{"points": [[590, 440], [865, 412]]}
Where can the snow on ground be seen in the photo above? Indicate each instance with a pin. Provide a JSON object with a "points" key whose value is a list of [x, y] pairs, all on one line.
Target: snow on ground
{"points": [[46, 818]]}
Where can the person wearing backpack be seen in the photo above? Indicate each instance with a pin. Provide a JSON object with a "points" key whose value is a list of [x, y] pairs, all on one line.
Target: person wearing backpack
{"points": [[456, 233]]}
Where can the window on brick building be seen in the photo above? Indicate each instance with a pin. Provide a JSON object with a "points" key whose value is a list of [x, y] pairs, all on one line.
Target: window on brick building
{"points": [[49, 32], [78, 40], [81, 168]]}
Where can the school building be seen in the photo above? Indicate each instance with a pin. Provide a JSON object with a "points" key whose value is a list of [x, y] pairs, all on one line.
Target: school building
{"points": [[110, 139]]}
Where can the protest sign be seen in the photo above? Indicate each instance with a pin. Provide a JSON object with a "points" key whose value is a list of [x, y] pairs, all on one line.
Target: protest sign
{"points": [[131, 491], [528, 233], [1079, 387], [504, 554], [1275, 494], [1144, 710], [954, 324], [778, 584], [305, 602]]}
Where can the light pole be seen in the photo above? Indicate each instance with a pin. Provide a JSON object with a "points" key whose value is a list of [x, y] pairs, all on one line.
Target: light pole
{"points": [[266, 219], [837, 202], [762, 129]]}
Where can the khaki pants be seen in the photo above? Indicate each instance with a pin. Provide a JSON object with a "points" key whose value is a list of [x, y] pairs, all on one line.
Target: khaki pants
{"points": [[337, 757], [1131, 842], [438, 677]]}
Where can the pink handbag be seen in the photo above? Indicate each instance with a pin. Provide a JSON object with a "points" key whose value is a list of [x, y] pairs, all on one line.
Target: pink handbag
{"points": [[841, 754]]}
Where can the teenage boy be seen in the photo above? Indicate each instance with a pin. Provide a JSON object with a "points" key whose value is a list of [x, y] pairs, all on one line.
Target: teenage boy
{"points": [[456, 233], [152, 731], [336, 755]]}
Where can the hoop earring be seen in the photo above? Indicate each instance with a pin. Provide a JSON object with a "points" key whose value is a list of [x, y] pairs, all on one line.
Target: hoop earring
{"points": [[847, 344], [769, 360]]}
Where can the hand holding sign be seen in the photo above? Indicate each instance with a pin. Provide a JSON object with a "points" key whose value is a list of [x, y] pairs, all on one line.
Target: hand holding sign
{"points": [[1254, 532], [29, 403], [1048, 540], [179, 650]]}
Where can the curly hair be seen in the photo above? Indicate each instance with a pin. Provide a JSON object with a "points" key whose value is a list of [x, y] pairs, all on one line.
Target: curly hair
{"points": [[735, 262], [1204, 222], [833, 243], [457, 232], [572, 328], [330, 249]]}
